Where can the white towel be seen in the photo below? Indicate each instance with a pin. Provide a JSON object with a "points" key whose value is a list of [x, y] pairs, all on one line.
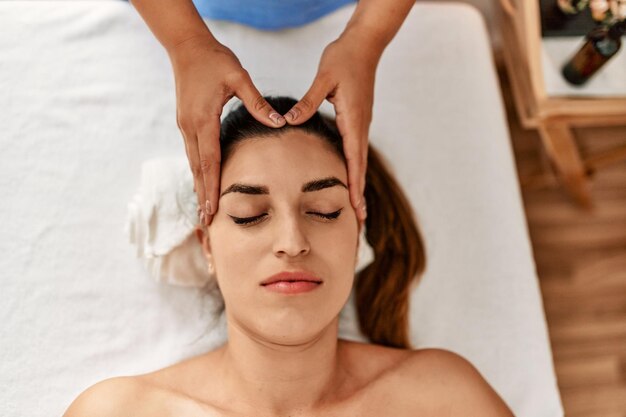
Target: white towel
{"points": [[161, 220]]}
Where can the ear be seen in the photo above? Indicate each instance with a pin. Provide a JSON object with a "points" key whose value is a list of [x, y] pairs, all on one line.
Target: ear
{"points": [[203, 238]]}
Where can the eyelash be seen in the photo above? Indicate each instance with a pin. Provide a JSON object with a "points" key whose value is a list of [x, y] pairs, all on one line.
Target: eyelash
{"points": [[246, 221]]}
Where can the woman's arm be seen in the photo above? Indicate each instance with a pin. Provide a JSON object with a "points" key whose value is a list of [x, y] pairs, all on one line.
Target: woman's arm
{"points": [[172, 21], [378, 21]]}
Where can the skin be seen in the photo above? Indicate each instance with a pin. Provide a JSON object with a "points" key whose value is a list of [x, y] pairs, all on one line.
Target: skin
{"points": [[283, 356], [208, 75], [276, 340]]}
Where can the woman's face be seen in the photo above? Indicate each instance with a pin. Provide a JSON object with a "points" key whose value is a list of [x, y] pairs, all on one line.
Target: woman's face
{"points": [[264, 182]]}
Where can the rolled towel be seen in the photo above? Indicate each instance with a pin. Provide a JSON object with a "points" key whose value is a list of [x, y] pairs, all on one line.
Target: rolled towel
{"points": [[162, 219]]}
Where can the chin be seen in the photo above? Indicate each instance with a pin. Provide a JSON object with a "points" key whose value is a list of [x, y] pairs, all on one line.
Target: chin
{"points": [[291, 328]]}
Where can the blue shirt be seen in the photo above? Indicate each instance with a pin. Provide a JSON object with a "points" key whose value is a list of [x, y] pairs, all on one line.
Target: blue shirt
{"points": [[268, 14]]}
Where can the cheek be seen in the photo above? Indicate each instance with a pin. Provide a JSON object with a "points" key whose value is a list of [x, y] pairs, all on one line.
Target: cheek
{"points": [[235, 256], [336, 248], [340, 245]]}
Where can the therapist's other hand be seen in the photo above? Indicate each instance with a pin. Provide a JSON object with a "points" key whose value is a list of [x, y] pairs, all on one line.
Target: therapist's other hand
{"points": [[208, 75], [345, 77]]}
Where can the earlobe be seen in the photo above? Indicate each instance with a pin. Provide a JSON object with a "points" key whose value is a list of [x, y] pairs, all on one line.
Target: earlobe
{"points": [[210, 267]]}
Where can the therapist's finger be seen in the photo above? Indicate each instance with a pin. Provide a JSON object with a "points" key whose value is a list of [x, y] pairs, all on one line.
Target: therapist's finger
{"points": [[193, 156], [308, 105], [210, 162], [356, 176], [255, 103], [355, 149]]}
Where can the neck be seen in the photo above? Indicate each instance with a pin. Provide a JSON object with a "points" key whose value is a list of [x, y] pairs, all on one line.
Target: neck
{"points": [[270, 378]]}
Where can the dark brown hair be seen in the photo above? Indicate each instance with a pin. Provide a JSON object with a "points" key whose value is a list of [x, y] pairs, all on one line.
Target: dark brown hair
{"points": [[382, 289]]}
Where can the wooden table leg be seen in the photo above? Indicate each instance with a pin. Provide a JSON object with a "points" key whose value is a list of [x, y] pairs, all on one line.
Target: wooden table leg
{"points": [[562, 150]]}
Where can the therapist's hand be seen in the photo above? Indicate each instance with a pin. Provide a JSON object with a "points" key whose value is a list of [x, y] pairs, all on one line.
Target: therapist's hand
{"points": [[345, 77], [208, 74]]}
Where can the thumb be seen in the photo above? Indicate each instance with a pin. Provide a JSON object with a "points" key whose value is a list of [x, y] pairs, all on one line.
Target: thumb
{"points": [[256, 104], [308, 105]]}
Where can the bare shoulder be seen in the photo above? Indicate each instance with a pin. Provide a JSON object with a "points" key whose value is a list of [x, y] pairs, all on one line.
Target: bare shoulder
{"points": [[457, 386], [112, 397], [371, 361]]}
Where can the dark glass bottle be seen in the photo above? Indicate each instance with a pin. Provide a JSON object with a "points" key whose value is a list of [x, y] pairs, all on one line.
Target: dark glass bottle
{"points": [[600, 45]]}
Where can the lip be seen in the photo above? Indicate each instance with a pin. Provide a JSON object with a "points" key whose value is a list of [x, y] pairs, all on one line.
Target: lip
{"points": [[285, 276], [302, 281]]}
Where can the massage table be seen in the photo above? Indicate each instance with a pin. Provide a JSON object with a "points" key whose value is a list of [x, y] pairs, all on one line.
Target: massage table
{"points": [[88, 96]]}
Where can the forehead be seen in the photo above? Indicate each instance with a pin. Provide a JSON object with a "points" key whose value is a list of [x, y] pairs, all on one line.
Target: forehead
{"points": [[289, 155]]}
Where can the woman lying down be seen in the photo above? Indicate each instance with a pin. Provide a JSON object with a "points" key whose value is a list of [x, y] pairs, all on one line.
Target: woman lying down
{"points": [[283, 247]]}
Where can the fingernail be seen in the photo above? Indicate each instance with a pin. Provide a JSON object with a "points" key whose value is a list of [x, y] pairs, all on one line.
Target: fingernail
{"points": [[291, 115], [202, 218], [277, 118], [207, 207]]}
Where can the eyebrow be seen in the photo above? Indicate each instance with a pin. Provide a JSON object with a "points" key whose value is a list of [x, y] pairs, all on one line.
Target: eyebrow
{"points": [[314, 185]]}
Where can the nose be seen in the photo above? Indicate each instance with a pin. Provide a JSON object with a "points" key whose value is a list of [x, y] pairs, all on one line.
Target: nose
{"points": [[290, 240]]}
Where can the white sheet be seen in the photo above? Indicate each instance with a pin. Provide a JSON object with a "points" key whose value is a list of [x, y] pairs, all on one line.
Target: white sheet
{"points": [[87, 95]]}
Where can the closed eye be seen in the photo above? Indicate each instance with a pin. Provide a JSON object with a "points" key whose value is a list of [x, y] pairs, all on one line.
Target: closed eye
{"points": [[256, 219], [327, 216], [247, 220]]}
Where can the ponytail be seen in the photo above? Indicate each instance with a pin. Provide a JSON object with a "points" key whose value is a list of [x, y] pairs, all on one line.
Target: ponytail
{"points": [[382, 289]]}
